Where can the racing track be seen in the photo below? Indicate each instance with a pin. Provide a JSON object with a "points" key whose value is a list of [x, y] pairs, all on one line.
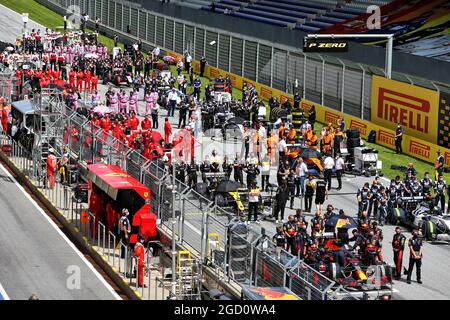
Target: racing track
{"points": [[436, 279]]}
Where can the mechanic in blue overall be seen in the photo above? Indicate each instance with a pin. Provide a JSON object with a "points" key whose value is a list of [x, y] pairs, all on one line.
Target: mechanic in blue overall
{"points": [[427, 184], [373, 203], [382, 199], [363, 196], [415, 245], [398, 246], [440, 187], [400, 187], [392, 192]]}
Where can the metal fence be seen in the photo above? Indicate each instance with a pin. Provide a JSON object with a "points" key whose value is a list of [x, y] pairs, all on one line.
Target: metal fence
{"points": [[337, 83], [214, 236]]}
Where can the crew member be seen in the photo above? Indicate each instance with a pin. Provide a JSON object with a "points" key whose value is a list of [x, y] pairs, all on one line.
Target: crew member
{"points": [[167, 131], [125, 230], [238, 171], [290, 231], [254, 196], [52, 166], [192, 170], [439, 164], [398, 139], [309, 192], [139, 254], [415, 245], [440, 187], [398, 245]]}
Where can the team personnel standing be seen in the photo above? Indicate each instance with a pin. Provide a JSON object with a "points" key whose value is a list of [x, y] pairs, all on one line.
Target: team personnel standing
{"points": [[398, 139], [125, 229], [52, 166], [321, 194], [290, 231], [328, 166], [309, 192], [439, 164], [398, 245], [254, 196], [139, 254], [415, 245], [440, 187], [340, 166]]}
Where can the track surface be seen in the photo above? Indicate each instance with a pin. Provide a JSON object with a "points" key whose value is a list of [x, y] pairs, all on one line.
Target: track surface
{"points": [[37, 257]]}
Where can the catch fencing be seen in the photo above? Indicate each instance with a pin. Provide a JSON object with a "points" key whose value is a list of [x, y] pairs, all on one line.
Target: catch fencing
{"points": [[214, 236]]}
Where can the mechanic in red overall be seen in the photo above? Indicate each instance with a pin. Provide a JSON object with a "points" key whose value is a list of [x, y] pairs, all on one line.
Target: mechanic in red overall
{"points": [[134, 122], [146, 124], [398, 245], [80, 77], [94, 82], [5, 119], [139, 254], [87, 81], [167, 131], [52, 166], [72, 75]]}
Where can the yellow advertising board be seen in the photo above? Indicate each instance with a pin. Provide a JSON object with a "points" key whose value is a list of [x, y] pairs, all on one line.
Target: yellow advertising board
{"points": [[415, 108], [412, 146]]}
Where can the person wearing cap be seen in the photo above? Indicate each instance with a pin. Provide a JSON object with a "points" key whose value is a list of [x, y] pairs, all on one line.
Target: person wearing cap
{"points": [[52, 166], [139, 254], [124, 230], [173, 98], [439, 164], [398, 139]]}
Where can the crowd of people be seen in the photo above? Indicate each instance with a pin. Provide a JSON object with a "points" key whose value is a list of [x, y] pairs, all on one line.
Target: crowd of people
{"points": [[270, 137]]}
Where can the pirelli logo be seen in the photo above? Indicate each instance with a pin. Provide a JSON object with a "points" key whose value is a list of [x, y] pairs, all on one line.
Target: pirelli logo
{"points": [[325, 46], [331, 117], [214, 73], [409, 111], [447, 158], [362, 127], [284, 98], [386, 137], [266, 92], [419, 149]]}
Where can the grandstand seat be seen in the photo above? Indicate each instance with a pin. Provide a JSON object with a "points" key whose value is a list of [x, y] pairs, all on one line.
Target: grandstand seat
{"points": [[269, 15], [260, 19], [290, 13], [307, 28], [329, 19], [301, 3]]}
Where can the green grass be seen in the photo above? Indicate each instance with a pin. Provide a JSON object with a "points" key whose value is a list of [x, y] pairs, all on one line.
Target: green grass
{"points": [[389, 158], [50, 19]]}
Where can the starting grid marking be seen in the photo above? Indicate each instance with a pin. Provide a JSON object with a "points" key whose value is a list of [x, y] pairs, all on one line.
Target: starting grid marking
{"points": [[3, 294]]}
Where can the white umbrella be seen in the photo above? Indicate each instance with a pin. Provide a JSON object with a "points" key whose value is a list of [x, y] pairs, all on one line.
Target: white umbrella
{"points": [[102, 109], [91, 56]]}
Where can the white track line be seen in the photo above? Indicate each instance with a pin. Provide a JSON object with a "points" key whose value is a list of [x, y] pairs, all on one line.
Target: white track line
{"points": [[53, 224]]}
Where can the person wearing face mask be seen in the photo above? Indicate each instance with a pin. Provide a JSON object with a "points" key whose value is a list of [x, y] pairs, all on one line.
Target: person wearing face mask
{"points": [[398, 139], [124, 230], [427, 184], [440, 187], [398, 245], [415, 245], [139, 254]]}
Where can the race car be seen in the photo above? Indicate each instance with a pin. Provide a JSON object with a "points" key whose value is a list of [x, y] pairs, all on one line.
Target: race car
{"points": [[423, 215]]}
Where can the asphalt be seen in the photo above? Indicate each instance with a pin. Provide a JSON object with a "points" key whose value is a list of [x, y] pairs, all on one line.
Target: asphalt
{"points": [[11, 25], [35, 255]]}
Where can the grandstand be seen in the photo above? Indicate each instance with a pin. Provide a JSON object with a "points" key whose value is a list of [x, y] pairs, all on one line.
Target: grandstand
{"points": [[305, 15], [406, 19]]}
